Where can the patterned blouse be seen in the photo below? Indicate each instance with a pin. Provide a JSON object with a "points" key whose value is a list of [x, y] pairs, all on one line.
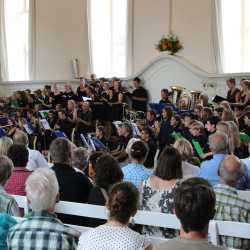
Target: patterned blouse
{"points": [[106, 237], [158, 200]]}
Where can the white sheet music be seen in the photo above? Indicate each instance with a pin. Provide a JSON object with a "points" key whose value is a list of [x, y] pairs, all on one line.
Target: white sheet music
{"points": [[45, 124]]}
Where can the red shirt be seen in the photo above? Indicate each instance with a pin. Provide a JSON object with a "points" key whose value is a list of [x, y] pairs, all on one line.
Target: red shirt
{"points": [[16, 183]]}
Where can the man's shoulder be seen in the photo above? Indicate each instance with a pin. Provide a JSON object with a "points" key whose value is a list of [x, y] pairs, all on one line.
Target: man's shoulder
{"points": [[4, 196], [43, 225], [230, 196], [178, 244]]}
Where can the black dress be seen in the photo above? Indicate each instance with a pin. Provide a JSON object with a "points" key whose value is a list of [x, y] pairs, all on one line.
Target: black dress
{"points": [[152, 148], [231, 96], [96, 197]]}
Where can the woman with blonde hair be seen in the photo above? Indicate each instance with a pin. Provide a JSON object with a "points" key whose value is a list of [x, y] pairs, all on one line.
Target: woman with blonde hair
{"points": [[228, 115], [240, 149], [224, 127], [186, 150], [5, 143]]}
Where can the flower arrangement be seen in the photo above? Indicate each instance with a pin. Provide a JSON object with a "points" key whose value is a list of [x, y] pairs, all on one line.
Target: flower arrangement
{"points": [[170, 43]]}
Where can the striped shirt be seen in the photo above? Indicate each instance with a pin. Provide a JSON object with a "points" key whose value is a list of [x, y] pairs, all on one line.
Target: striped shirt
{"points": [[230, 207], [8, 204], [42, 231]]}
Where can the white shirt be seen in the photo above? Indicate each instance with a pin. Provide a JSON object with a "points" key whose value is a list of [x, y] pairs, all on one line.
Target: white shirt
{"points": [[189, 170], [107, 237], [246, 161], [36, 160]]}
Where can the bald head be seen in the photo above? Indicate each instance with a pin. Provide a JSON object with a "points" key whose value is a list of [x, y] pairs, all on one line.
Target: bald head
{"points": [[218, 143], [230, 170]]}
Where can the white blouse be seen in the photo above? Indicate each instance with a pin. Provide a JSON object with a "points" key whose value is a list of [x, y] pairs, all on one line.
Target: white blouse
{"points": [[108, 237]]}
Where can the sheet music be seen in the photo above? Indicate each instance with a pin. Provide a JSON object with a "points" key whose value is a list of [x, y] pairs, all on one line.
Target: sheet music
{"points": [[91, 143], [45, 124], [84, 141], [85, 99], [28, 129]]}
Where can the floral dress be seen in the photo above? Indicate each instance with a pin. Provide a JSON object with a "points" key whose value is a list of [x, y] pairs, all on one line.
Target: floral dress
{"points": [[158, 200]]}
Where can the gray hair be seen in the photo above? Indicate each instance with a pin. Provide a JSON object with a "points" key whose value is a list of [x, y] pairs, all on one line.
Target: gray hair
{"points": [[218, 143], [6, 166], [21, 138], [5, 143], [42, 189], [61, 150], [230, 177], [80, 158]]}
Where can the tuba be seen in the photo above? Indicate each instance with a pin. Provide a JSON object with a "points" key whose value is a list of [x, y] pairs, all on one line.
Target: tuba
{"points": [[195, 98], [176, 94], [181, 97]]}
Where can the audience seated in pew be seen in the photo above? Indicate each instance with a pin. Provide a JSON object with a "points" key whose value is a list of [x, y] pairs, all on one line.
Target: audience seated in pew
{"points": [[229, 206], [186, 151], [80, 159], [107, 172], [122, 204], [219, 146], [36, 159], [42, 230], [8, 204], [194, 204], [246, 161], [158, 190], [5, 143], [73, 186], [19, 155], [135, 171]]}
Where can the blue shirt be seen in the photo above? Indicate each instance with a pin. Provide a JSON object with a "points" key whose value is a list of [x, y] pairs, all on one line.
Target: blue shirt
{"points": [[136, 173], [209, 169], [6, 222]]}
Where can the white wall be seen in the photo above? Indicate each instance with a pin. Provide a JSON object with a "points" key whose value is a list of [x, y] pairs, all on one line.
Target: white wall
{"points": [[61, 34], [192, 21], [61, 30], [151, 22]]}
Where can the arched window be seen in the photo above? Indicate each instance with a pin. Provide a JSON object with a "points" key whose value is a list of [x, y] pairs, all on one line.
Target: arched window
{"points": [[16, 16], [235, 22], [108, 35]]}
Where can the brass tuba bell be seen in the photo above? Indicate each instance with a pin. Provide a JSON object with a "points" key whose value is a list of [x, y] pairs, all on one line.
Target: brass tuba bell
{"points": [[195, 98], [176, 94]]}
